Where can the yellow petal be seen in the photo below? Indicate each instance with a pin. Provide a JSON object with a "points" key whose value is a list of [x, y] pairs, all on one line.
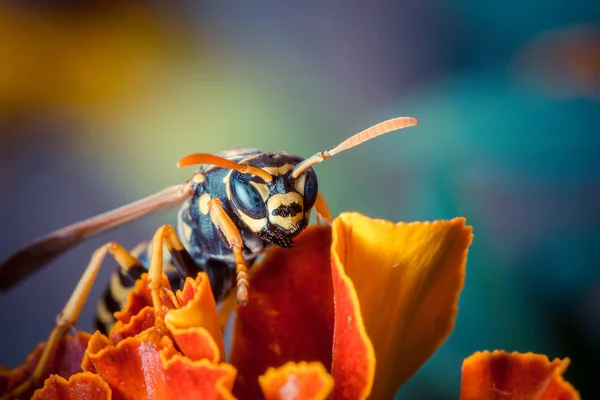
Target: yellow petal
{"points": [[198, 310], [407, 279]]}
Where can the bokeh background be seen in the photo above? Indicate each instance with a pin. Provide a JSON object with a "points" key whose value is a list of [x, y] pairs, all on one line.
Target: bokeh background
{"points": [[98, 100]]}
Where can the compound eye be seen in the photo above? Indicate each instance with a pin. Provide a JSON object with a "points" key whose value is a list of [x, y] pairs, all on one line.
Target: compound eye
{"points": [[311, 188], [246, 198]]}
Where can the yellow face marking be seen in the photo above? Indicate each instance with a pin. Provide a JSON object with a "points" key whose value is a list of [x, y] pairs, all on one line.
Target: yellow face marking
{"points": [[255, 225], [279, 170], [226, 182], [263, 190], [299, 184], [287, 199], [203, 203]]}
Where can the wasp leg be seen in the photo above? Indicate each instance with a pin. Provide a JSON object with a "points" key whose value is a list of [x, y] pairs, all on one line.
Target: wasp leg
{"points": [[234, 238], [70, 313], [323, 215], [164, 235]]}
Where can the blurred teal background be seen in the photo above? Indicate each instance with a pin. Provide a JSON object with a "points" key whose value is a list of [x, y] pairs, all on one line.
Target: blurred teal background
{"points": [[98, 100]]}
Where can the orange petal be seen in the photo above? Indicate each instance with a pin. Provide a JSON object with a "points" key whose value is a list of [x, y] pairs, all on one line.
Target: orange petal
{"points": [[84, 385], [289, 316], [132, 368], [135, 325], [302, 381], [135, 368], [196, 343], [64, 361], [137, 299], [197, 321], [96, 343], [406, 279], [505, 376], [140, 297], [201, 379]]}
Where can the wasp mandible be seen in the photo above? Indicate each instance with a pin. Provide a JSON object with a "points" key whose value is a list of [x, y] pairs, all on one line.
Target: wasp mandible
{"points": [[233, 207]]}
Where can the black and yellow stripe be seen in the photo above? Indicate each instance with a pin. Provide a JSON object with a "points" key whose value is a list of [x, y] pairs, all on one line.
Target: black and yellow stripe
{"points": [[122, 282]]}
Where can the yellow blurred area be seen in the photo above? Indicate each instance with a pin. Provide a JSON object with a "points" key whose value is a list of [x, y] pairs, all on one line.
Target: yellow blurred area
{"points": [[132, 89], [91, 54]]}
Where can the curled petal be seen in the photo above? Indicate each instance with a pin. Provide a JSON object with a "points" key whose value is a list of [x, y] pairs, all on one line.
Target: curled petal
{"points": [[196, 321], [406, 279], [186, 379], [502, 375], [289, 316], [196, 343], [135, 325], [302, 381], [140, 297], [84, 385], [138, 369], [96, 343]]}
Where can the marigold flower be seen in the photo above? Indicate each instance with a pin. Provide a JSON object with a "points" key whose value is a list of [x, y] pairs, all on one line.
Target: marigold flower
{"points": [[352, 311]]}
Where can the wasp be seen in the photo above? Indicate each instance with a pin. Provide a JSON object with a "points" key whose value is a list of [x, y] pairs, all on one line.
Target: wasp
{"points": [[234, 206]]}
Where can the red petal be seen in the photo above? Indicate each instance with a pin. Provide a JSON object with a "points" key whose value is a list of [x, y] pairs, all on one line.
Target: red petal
{"points": [[289, 316], [504, 376], [354, 359], [64, 361], [84, 385], [301, 381]]}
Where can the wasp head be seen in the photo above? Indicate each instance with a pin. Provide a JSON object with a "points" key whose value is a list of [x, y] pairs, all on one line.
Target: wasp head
{"points": [[277, 210]]}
